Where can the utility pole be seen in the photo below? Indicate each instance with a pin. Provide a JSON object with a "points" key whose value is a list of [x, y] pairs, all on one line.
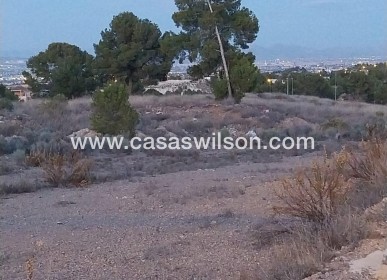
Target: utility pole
{"points": [[287, 86], [292, 86], [335, 86], [225, 67]]}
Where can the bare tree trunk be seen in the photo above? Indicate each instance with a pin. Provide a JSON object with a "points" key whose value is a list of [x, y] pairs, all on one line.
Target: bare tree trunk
{"points": [[223, 56], [130, 87]]}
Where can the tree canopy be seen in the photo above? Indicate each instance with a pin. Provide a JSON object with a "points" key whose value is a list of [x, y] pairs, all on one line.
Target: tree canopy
{"points": [[6, 93], [130, 52], [366, 82], [62, 69], [6, 98], [210, 29], [112, 113]]}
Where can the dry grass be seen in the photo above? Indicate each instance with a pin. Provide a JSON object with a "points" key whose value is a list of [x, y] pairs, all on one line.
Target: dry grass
{"points": [[63, 170], [171, 100], [316, 195], [35, 158], [373, 163], [19, 186], [30, 268], [331, 209], [56, 115], [45, 124], [306, 248], [295, 258], [317, 110], [370, 170]]}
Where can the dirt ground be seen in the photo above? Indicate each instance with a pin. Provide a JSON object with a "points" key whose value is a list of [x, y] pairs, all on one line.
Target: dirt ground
{"points": [[162, 215], [186, 225]]}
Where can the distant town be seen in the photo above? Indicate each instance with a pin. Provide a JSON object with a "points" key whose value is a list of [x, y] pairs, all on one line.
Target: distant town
{"points": [[11, 71], [11, 68], [316, 66]]}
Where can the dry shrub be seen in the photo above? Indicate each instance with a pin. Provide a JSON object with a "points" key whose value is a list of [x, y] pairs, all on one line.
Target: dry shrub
{"points": [[297, 257], [35, 158], [308, 247], [370, 170], [53, 114], [30, 268], [330, 208], [315, 195], [19, 186], [66, 170], [372, 165], [346, 228]]}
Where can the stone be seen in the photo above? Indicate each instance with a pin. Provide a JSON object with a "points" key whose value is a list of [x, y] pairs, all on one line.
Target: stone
{"points": [[85, 132], [251, 134]]}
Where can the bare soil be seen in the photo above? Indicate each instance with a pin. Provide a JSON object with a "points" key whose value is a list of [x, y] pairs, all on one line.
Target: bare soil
{"points": [[192, 215], [187, 225]]}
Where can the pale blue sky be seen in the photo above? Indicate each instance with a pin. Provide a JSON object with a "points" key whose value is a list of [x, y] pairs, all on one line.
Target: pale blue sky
{"points": [[28, 26]]}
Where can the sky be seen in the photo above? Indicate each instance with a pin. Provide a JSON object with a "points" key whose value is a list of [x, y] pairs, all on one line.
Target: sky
{"points": [[286, 26]]}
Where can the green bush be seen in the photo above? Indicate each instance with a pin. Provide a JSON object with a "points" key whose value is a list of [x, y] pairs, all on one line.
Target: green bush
{"points": [[6, 104], [7, 94], [244, 76], [10, 144], [6, 98], [112, 113], [219, 88]]}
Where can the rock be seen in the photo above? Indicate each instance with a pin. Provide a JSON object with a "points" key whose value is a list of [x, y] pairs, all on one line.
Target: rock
{"points": [[85, 132], [170, 135], [372, 262], [233, 131], [295, 122], [338, 136], [164, 132], [251, 134], [180, 87], [294, 127], [377, 211], [140, 135], [162, 128], [346, 97]]}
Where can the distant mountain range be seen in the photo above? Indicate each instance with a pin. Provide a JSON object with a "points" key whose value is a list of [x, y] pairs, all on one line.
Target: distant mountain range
{"points": [[294, 52], [273, 52], [16, 54]]}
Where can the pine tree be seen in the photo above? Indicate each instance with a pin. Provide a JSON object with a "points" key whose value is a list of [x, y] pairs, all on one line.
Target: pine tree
{"points": [[112, 113]]}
